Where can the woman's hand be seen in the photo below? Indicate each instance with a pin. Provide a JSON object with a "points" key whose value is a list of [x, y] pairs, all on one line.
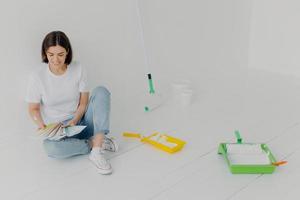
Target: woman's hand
{"points": [[71, 123], [42, 126]]}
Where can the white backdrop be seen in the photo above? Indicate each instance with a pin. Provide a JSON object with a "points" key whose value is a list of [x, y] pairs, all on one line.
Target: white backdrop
{"points": [[275, 37], [191, 39]]}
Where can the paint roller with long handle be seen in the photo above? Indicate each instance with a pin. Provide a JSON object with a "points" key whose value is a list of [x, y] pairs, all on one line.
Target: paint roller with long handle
{"points": [[153, 100]]}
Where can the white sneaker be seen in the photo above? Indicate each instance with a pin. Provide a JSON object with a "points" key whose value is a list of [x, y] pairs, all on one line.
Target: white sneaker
{"points": [[110, 144], [101, 163]]}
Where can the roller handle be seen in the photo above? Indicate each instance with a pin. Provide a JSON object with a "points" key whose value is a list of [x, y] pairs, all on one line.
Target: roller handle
{"points": [[150, 82]]}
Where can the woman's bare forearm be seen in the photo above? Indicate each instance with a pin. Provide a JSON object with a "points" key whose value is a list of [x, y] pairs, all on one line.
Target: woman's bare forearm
{"points": [[36, 116], [83, 102], [79, 113]]}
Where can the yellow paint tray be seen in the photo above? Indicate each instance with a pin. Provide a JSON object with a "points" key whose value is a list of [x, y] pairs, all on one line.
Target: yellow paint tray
{"points": [[161, 141]]}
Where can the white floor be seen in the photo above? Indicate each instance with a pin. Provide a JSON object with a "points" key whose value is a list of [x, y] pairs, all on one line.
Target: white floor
{"points": [[263, 106]]}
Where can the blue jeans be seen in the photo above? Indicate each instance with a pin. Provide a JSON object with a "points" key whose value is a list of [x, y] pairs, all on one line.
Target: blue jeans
{"points": [[96, 118]]}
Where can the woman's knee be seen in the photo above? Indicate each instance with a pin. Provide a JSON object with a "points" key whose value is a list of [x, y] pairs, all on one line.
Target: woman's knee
{"points": [[101, 91], [54, 149]]}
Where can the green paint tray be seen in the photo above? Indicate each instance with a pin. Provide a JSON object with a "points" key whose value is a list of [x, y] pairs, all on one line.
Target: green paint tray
{"points": [[247, 158]]}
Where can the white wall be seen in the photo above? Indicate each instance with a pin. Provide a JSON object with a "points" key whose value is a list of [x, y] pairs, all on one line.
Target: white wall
{"points": [[275, 36], [192, 39], [187, 38]]}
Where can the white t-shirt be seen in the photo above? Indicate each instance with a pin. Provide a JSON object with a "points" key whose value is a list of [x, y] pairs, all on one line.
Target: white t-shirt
{"points": [[58, 95]]}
